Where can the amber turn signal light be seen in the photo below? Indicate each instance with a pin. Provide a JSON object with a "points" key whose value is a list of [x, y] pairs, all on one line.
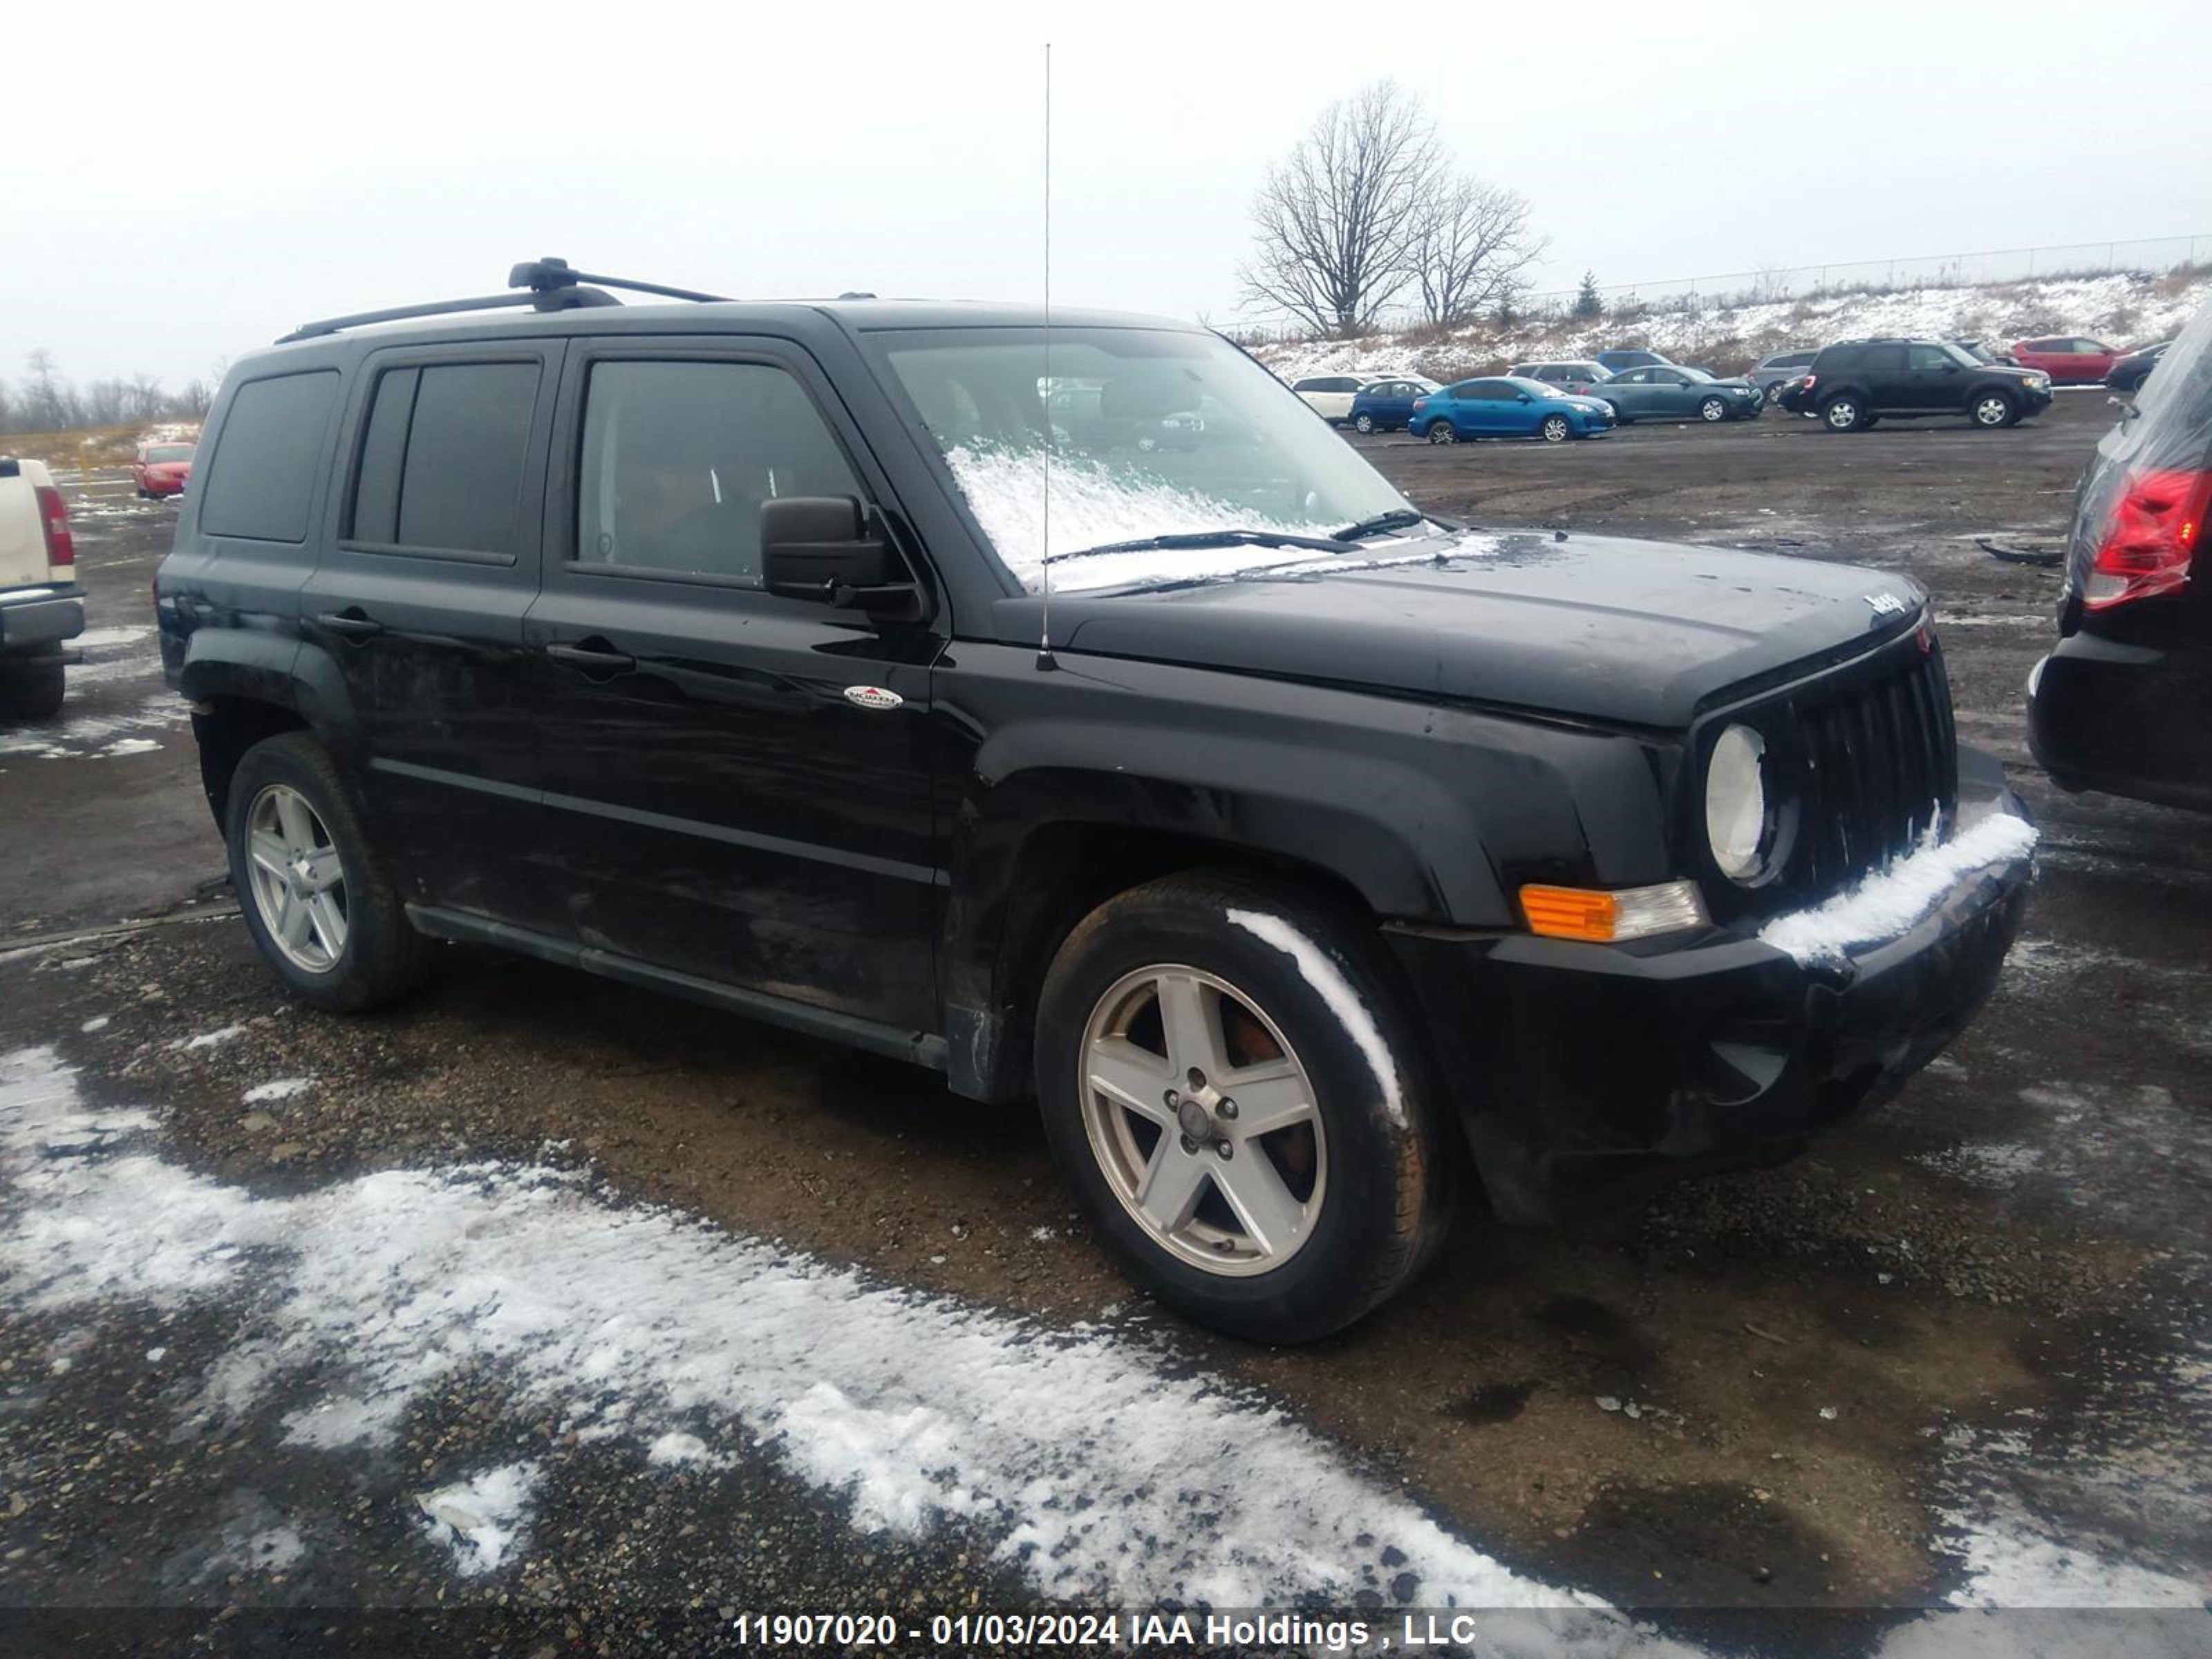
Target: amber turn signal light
{"points": [[1604, 917]]}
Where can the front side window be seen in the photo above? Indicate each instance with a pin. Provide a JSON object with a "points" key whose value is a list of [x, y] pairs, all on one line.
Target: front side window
{"points": [[1174, 433], [1928, 358], [678, 458]]}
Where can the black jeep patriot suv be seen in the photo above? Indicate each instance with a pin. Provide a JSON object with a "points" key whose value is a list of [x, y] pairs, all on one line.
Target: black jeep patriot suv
{"points": [[852, 665]]}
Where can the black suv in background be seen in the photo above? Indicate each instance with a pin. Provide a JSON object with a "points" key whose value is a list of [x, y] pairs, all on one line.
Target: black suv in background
{"points": [[2124, 702], [1855, 383], [1295, 851]]}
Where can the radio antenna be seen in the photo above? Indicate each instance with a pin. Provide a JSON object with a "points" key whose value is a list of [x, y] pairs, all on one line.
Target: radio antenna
{"points": [[1045, 660]]}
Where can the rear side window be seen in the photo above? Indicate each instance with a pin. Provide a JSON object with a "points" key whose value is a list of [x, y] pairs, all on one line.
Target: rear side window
{"points": [[1836, 359], [1882, 358], [442, 458], [679, 458], [263, 477]]}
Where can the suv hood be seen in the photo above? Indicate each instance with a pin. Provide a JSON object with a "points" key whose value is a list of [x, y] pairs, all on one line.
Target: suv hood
{"points": [[1594, 627]]}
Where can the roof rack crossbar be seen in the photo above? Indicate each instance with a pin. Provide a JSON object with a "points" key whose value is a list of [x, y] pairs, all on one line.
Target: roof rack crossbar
{"points": [[551, 285]]}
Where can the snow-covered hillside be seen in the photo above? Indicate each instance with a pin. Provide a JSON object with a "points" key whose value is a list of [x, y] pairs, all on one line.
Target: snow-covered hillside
{"points": [[2123, 308]]}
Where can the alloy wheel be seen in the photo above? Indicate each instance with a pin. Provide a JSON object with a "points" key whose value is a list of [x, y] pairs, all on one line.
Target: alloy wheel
{"points": [[1365, 424], [1992, 412], [1203, 1120], [1843, 415], [1555, 430], [1713, 409], [1442, 432], [298, 882]]}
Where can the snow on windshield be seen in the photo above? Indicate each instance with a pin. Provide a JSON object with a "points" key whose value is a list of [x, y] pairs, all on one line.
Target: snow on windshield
{"points": [[1094, 503]]}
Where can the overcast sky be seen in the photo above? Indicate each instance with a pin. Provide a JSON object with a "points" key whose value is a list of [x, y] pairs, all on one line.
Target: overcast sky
{"points": [[184, 182]]}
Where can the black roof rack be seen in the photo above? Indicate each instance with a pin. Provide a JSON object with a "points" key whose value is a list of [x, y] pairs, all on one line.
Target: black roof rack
{"points": [[549, 284]]}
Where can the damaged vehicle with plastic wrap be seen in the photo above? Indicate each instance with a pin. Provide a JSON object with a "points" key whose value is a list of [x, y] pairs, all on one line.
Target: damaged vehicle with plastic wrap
{"points": [[1310, 861]]}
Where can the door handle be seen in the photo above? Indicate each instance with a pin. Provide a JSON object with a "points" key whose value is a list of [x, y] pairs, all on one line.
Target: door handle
{"points": [[592, 656], [351, 624]]}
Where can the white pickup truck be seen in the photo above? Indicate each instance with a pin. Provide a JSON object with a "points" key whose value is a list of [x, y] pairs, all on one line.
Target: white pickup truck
{"points": [[40, 604]]}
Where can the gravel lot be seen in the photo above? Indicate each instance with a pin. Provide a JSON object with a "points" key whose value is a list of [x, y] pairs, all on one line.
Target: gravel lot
{"points": [[815, 1333]]}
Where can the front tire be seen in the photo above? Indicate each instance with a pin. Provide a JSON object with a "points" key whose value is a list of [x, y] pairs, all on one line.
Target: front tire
{"points": [[1556, 429], [1844, 414], [321, 910], [1233, 1093], [1364, 426], [1712, 409], [1993, 410]]}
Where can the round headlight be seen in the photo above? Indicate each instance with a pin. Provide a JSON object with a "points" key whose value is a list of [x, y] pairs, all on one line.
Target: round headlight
{"points": [[1735, 804]]}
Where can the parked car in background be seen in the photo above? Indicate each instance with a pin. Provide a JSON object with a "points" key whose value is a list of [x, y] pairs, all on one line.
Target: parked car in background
{"points": [[1386, 406], [1856, 383], [1982, 352], [2123, 702], [41, 605], [1772, 373], [2068, 359], [1628, 357], [1577, 377], [2131, 371], [1503, 407], [1665, 392], [162, 469], [1329, 396]]}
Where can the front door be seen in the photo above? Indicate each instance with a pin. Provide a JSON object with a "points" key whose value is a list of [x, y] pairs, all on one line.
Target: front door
{"points": [[430, 562], [736, 783], [1933, 380]]}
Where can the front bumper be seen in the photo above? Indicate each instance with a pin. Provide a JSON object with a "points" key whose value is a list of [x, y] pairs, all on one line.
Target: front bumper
{"points": [[39, 618], [1589, 1074]]}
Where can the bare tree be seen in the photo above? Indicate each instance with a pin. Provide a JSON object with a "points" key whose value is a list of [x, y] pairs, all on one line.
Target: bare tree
{"points": [[1336, 222], [1471, 243], [194, 400], [47, 403]]}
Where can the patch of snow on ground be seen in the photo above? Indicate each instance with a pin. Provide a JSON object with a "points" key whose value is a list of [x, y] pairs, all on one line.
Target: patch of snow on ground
{"points": [[211, 1039], [1079, 1451], [480, 1519], [281, 1088], [100, 639], [1984, 1164], [1892, 900]]}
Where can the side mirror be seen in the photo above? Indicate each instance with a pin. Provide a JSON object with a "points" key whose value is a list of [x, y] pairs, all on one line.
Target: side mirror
{"points": [[823, 548], [1522, 396]]}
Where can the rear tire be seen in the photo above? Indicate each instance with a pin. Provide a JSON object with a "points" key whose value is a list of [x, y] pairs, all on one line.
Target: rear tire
{"points": [[1844, 414], [34, 693], [1298, 1230], [1442, 432], [372, 955]]}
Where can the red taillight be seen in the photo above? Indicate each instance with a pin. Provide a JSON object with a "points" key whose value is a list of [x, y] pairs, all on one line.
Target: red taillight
{"points": [[1806, 384], [53, 516], [2152, 539], [1419, 404]]}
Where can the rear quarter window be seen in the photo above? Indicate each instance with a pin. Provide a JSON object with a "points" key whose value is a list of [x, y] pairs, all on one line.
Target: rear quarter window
{"points": [[261, 481]]}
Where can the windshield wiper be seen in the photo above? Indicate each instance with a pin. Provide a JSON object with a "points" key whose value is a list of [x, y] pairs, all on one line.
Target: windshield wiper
{"points": [[1201, 538], [1398, 518]]}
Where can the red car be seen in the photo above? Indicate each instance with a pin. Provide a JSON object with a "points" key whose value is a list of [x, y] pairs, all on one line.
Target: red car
{"points": [[162, 470], [2067, 359]]}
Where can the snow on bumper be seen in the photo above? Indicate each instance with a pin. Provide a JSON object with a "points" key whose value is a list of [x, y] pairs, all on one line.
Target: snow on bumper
{"points": [[1887, 903]]}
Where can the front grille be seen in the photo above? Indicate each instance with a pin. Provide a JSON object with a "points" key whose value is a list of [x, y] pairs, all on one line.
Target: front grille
{"points": [[1879, 765], [1860, 760]]}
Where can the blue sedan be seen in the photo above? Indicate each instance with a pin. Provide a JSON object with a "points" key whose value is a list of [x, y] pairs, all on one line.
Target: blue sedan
{"points": [[1507, 407], [1386, 406]]}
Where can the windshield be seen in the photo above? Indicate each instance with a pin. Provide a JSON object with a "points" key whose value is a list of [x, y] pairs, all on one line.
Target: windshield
{"points": [[1153, 432], [170, 452], [1965, 356]]}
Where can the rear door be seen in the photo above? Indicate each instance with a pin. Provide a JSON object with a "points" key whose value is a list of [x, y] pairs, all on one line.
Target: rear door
{"points": [[430, 564], [730, 794]]}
